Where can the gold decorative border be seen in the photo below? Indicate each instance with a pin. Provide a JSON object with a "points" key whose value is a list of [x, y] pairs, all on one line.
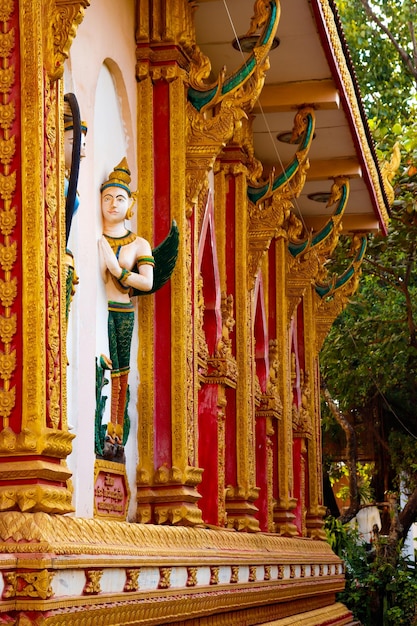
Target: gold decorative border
{"points": [[33, 254], [340, 57], [8, 216]]}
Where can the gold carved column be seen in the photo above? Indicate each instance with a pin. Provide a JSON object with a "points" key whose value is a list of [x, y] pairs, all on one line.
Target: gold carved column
{"points": [[241, 497], [34, 438], [167, 473], [286, 503]]}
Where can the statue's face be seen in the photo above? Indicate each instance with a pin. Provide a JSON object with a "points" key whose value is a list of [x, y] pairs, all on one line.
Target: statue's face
{"points": [[68, 141], [114, 204]]}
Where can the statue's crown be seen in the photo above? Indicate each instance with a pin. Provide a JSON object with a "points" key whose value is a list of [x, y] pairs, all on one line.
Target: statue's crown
{"points": [[119, 177]]}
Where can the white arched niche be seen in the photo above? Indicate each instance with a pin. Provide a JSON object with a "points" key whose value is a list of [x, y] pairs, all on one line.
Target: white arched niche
{"points": [[113, 140]]}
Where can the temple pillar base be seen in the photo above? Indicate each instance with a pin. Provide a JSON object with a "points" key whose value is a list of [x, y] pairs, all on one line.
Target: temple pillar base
{"points": [[284, 519], [240, 515], [315, 524], [169, 504]]}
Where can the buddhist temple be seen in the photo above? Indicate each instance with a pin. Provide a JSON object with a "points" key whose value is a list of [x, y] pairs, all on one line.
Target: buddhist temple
{"points": [[160, 439]]}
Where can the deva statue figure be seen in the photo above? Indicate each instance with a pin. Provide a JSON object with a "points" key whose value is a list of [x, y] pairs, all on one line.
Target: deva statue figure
{"points": [[126, 264]]}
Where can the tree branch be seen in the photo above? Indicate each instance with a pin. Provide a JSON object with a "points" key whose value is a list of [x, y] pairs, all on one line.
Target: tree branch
{"points": [[351, 456], [402, 53]]}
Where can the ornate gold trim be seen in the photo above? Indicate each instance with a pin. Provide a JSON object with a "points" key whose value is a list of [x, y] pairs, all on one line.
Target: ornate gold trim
{"points": [[26, 533], [33, 227], [340, 56]]}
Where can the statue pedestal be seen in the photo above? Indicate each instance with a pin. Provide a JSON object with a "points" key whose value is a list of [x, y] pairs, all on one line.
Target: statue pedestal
{"points": [[111, 490]]}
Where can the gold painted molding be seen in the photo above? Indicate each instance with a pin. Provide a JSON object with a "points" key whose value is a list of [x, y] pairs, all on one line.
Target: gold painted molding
{"points": [[335, 613]]}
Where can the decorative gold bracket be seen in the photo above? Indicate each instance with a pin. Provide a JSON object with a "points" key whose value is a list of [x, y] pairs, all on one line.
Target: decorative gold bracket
{"points": [[61, 20]]}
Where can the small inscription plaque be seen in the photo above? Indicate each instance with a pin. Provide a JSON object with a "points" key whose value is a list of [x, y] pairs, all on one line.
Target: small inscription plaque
{"points": [[111, 490]]}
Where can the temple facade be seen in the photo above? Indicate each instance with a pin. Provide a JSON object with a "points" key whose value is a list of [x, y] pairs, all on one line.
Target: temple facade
{"points": [[237, 130]]}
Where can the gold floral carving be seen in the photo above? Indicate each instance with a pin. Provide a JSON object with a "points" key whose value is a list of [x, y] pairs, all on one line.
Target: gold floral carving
{"points": [[311, 263], [222, 367], [214, 575], [202, 349], [205, 138], [328, 308], [61, 20], [388, 171], [221, 435], [216, 123], [52, 221], [191, 576], [234, 574], [164, 577], [146, 312], [132, 579], [266, 218], [302, 422], [270, 404], [8, 248], [93, 579]]}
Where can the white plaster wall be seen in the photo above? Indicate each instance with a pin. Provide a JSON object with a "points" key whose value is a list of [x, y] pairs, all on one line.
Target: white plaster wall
{"points": [[101, 73]]}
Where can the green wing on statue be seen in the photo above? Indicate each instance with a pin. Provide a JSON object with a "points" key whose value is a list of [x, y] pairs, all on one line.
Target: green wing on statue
{"points": [[165, 256]]}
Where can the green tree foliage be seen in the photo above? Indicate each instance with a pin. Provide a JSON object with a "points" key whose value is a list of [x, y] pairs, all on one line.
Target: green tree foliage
{"points": [[381, 38], [369, 360], [378, 591]]}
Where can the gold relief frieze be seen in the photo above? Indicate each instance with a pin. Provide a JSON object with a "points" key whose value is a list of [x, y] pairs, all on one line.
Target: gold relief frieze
{"points": [[7, 42], [61, 21], [36, 584], [39, 498], [265, 222], [222, 371], [164, 577], [175, 476], [143, 476], [168, 66], [57, 443]]}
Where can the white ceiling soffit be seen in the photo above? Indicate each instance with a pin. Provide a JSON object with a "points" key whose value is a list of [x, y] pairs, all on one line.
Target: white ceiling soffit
{"points": [[307, 68]]}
